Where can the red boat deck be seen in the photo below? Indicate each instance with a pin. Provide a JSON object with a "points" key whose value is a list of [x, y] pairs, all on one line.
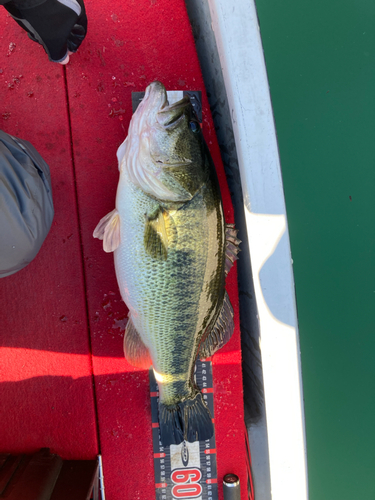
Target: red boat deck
{"points": [[64, 383]]}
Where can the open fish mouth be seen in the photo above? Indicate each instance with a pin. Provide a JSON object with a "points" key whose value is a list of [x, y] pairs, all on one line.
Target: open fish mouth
{"points": [[167, 115], [170, 115]]}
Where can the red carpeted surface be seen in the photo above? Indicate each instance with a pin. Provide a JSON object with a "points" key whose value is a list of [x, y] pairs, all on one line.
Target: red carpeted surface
{"points": [[64, 381]]}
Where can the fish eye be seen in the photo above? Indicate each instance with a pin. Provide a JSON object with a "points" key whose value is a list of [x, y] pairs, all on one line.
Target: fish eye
{"points": [[194, 126]]}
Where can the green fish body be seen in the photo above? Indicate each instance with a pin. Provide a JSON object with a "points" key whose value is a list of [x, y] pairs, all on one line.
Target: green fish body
{"points": [[172, 250]]}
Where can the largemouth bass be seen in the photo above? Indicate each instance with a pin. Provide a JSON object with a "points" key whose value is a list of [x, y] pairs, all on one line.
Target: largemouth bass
{"points": [[172, 250]]}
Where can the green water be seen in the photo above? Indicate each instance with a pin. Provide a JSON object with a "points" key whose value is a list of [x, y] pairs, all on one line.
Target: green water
{"points": [[320, 60]]}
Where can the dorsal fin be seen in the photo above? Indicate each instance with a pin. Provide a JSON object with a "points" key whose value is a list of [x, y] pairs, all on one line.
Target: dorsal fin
{"points": [[231, 246], [135, 351], [221, 332]]}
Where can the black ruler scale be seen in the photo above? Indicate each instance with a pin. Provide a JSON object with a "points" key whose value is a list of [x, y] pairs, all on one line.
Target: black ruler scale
{"points": [[188, 470]]}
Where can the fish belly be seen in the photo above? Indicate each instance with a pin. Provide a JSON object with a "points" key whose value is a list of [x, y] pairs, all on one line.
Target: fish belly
{"points": [[171, 301]]}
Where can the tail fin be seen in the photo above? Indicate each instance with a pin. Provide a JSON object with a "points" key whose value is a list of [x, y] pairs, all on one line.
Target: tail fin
{"points": [[188, 420]]}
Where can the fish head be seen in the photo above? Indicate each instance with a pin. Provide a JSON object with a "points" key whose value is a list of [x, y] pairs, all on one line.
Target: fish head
{"points": [[163, 153]]}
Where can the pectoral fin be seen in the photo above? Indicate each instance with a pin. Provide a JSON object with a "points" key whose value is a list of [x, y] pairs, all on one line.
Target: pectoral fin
{"points": [[135, 351], [108, 230], [221, 331], [157, 236]]}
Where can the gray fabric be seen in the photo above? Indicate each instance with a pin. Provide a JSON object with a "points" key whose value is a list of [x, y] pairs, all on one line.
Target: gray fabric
{"points": [[26, 207]]}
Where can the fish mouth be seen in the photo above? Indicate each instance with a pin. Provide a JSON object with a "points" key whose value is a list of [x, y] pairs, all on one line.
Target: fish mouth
{"points": [[171, 115], [167, 115]]}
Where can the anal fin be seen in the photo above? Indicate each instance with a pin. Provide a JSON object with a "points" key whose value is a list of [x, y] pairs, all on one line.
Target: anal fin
{"points": [[135, 351], [221, 332]]}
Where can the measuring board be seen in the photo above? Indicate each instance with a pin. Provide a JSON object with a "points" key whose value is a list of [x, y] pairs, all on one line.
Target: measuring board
{"points": [[187, 470]]}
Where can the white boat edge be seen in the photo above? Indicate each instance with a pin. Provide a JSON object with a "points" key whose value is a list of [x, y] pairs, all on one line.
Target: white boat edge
{"points": [[239, 45]]}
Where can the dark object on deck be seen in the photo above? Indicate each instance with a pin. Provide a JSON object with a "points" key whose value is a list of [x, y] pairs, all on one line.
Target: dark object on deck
{"points": [[26, 207], [44, 476], [58, 25], [231, 487]]}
